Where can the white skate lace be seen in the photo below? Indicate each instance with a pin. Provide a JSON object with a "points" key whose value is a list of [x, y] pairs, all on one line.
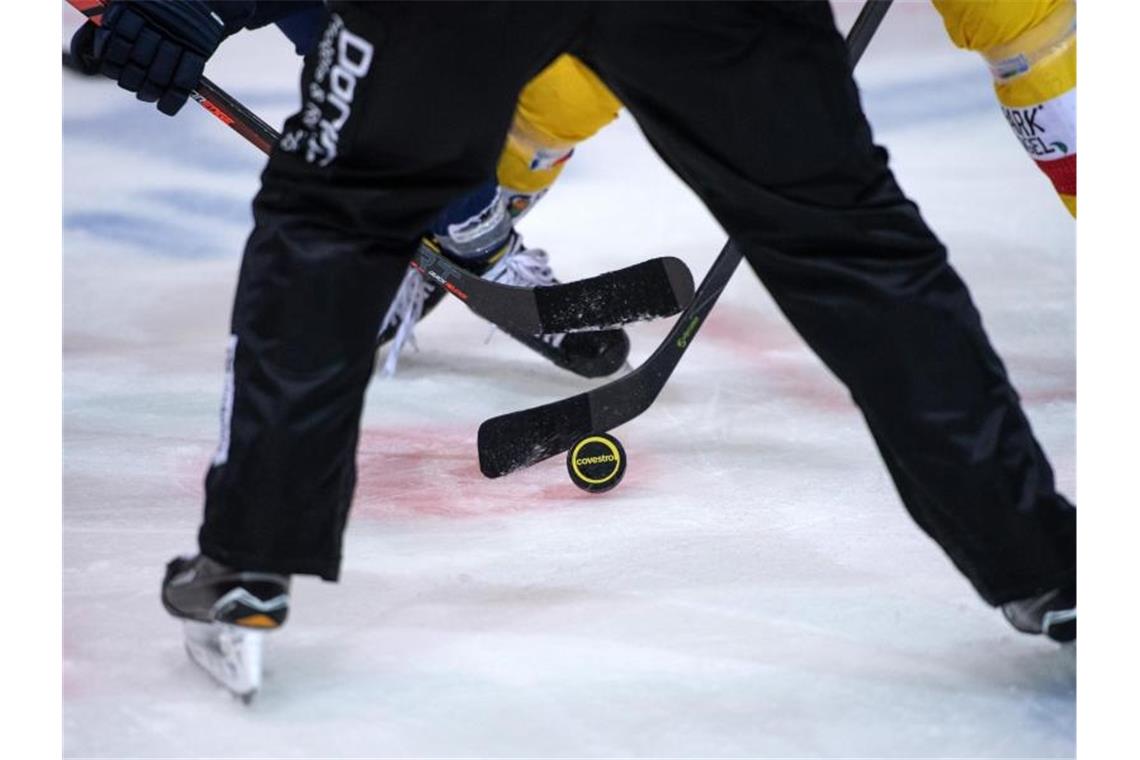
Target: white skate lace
{"points": [[406, 309], [519, 266], [524, 267]]}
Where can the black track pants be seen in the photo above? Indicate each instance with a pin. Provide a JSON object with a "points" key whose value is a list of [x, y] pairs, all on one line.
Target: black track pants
{"points": [[752, 104], [405, 107]]}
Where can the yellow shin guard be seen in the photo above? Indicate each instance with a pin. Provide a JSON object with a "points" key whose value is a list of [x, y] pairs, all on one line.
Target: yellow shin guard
{"points": [[1031, 49]]}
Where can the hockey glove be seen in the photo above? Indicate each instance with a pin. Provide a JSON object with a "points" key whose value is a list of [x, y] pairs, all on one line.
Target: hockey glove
{"points": [[157, 48]]}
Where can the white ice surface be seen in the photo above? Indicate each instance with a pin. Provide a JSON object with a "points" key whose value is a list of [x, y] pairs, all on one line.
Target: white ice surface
{"points": [[753, 588]]}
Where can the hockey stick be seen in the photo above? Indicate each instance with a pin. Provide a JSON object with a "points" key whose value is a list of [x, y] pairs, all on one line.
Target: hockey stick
{"points": [[659, 287], [211, 97], [519, 439]]}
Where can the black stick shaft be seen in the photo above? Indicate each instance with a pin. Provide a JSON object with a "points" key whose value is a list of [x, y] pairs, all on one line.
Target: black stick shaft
{"points": [[863, 30]]}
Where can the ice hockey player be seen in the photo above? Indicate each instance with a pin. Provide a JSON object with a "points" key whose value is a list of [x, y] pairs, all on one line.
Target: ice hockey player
{"points": [[562, 106], [1031, 49], [753, 105]]}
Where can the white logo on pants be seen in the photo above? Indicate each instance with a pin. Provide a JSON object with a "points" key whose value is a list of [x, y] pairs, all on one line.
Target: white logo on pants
{"points": [[344, 58]]}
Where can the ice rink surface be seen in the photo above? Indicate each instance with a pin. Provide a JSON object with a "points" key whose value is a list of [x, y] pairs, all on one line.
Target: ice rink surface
{"points": [[753, 588]]}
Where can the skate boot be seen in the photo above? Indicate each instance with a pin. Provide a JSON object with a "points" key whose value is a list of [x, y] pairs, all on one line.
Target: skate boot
{"points": [[595, 353], [1053, 613], [225, 613]]}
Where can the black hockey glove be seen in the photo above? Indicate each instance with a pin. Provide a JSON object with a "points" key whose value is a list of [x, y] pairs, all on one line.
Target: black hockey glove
{"points": [[158, 48]]}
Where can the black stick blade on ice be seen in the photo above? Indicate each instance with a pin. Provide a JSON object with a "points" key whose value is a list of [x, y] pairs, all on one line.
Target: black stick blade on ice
{"points": [[512, 441], [650, 289]]}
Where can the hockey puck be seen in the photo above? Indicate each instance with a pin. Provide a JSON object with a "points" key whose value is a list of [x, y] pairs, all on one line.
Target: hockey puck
{"points": [[596, 463]]}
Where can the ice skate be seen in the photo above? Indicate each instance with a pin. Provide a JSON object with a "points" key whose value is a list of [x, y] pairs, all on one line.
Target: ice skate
{"points": [[225, 614], [596, 353], [1053, 613], [229, 653]]}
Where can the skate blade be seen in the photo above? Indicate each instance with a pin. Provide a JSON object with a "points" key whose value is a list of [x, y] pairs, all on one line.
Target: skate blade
{"points": [[230, 654]]}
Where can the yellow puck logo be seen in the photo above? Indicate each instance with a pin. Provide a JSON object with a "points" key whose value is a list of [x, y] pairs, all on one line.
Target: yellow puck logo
{"points": [[596, 463]]}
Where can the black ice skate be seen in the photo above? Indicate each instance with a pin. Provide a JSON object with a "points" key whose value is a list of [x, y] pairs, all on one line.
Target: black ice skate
{"points": [[595, 353], [225, 613], [1053, 613]]}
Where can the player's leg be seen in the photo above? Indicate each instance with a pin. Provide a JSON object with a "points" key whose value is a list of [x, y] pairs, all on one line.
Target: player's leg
{"points": [[1031, 48], [360, 172], [753, 105], [564, 105]]}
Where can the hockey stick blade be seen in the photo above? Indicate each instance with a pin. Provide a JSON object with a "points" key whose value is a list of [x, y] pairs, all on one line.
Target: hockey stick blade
{"points": [[648, 290], [519, 439], [651, 289]]}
